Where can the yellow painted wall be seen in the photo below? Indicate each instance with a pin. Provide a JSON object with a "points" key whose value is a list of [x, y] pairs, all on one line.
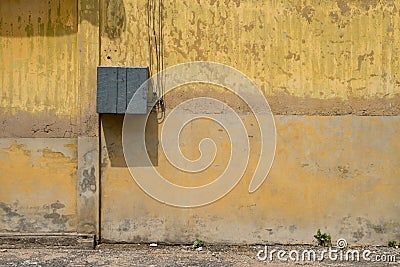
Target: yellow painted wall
{"points": [[38, 185], [336, 173], [329, 50], [38, 56], [318, 49], [323, 57], [39, 98]]}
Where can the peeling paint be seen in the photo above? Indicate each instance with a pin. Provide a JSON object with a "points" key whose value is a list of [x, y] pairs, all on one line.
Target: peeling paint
{"points": [[332, 42], [38, 57], [309, 58], [325, 171], [41, 176]]}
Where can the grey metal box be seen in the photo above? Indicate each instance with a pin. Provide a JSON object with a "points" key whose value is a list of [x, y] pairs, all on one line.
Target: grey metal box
{"points": [[116, 87]]}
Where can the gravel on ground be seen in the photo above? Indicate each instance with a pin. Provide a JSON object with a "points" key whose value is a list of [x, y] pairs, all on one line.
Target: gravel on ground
{"points": [[185, 255]]}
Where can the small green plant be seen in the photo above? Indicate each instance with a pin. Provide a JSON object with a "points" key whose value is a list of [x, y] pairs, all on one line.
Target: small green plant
{"points": [[323, 238], [198, 243], [392, 244]]}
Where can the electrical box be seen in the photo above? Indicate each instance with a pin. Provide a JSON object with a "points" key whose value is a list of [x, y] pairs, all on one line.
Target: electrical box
{"points": [[116, 87]]}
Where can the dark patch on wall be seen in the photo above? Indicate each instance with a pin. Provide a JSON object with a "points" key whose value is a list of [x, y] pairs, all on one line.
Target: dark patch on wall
{"points": [[25, 124], [346, 6], [358, 228], [285, 104], [112, 141], [56, 206], [38, 124], [49, 218], [8, 211], [57, 17], [365, 58], [307, 12], [125, 226], [54, 216], [89, 11], [358, 235], [89, 180], [114, 18]]}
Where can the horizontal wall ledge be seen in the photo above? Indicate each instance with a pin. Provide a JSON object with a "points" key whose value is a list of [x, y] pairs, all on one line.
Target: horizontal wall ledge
{"points": [[47, 240]]}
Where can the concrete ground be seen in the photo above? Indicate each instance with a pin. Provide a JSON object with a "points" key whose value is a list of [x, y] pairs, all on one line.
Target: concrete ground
{"points": [[145, 255]]}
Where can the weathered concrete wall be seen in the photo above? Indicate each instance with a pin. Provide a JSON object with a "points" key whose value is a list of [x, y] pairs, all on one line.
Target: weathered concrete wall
{"points": [[88, 208], [340, 174], [38, 184], [331, 57], [38, 87], [48, 68], [48, 60], [315, 58], [337, 173], [38, 52]]}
